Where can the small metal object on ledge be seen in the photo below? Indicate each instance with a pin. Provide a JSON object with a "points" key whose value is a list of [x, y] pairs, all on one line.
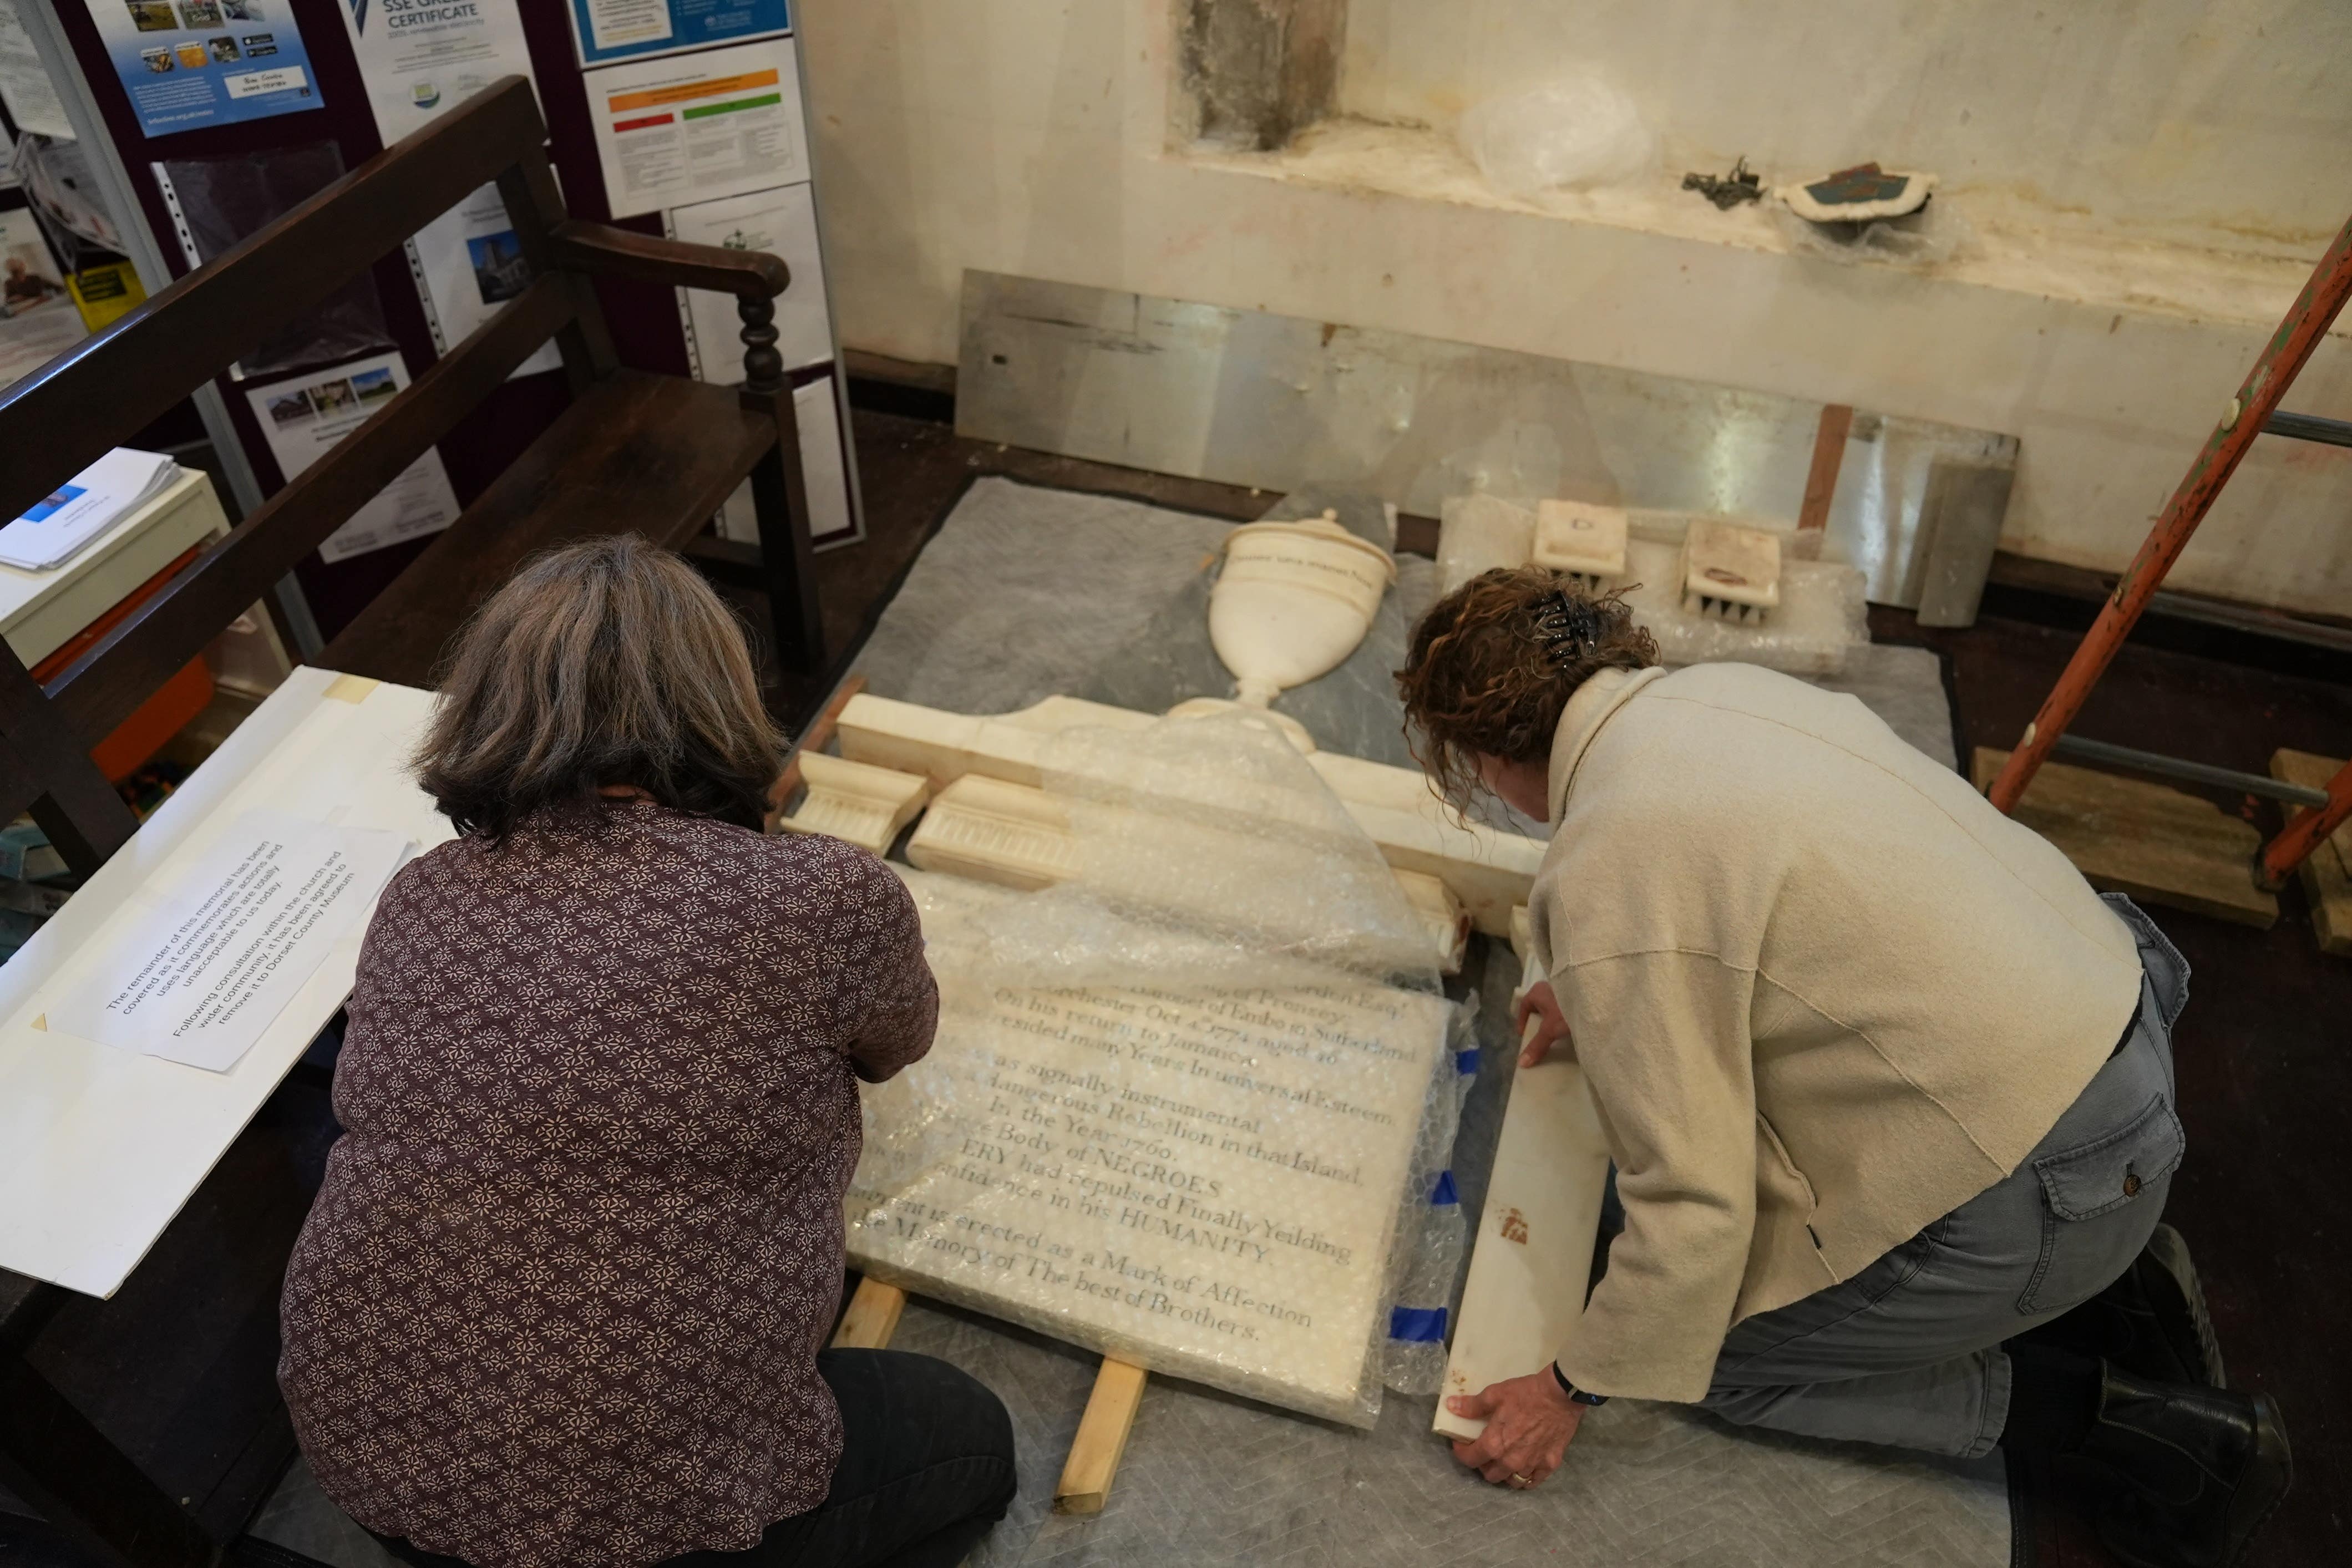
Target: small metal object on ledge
{"points": [[1726, 190], [2075, 749]]}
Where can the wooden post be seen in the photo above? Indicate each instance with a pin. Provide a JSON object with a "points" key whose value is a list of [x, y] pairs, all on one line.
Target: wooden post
{"points": [[1095, 1453], [1829, 456], [780, 496], [45, 762], [872, 1317], [1094, 1458]]}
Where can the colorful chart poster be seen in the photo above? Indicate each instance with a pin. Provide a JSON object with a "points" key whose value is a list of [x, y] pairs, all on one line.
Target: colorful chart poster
{"points": [[694, 127], [608, 30], [304, 416], [420, 58], [467, 263], [185, 64], [781, 223]]}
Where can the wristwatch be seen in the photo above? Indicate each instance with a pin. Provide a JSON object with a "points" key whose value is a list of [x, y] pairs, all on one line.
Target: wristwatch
{"points": [[1572, 1391]]}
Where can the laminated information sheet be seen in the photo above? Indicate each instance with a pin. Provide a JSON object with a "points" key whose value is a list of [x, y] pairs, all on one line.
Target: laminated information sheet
{"points": [[226, 944]]}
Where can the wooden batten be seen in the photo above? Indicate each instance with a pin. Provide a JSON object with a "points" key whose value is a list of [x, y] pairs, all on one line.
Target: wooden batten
{"points": [[2328, 872], [1102, 1436], [872, 1317], [2157, 844]]}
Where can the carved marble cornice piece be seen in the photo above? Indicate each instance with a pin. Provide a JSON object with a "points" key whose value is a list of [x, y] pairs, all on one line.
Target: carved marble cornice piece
{"points": [[856, 801]]}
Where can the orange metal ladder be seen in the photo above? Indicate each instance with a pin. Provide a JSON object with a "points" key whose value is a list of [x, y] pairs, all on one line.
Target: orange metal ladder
{"points": [[2254, 412]]}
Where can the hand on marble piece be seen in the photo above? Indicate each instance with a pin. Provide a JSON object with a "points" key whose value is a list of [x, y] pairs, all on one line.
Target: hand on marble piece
{"points": [[1535, 1044], [1530, 1424]]}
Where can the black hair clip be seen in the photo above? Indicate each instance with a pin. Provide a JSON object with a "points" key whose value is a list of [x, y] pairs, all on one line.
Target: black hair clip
{"points": [[1570, 629]]}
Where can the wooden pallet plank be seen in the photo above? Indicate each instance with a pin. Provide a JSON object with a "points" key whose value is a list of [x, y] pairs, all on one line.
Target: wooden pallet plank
{"points": [[1102, 1436], [872, 1317], [2328, 874], [2129, 836]]}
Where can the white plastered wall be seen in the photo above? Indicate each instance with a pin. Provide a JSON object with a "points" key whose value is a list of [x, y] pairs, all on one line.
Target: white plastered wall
{"points": [[1031, 136]]}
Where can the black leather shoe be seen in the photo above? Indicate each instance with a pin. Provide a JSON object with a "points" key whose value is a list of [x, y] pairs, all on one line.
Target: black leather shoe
{"points": [[2196, 1471], [2150, 1322]]}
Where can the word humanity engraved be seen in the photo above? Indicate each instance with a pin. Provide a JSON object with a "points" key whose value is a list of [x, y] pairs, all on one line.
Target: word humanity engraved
{"points": [[1202, 1182]]}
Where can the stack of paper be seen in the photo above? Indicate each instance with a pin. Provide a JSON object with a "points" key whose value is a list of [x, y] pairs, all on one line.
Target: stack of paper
{"points": [[54, 531]]}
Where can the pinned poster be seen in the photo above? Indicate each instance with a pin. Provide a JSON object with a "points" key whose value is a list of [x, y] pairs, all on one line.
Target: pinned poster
{"points": [[694, 127], [25, 86], [420, 58], [608, 30], [38, 319], [781, 223], [187, 64], [304, 416], [824, 471], [106, 292], [467, 262]]}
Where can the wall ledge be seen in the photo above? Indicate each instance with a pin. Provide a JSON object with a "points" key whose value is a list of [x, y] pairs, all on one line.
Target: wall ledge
{"points": [[2017, 247]]}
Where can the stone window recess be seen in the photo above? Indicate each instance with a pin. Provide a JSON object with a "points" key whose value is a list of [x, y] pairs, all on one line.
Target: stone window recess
{"points": [[1257, 72]]}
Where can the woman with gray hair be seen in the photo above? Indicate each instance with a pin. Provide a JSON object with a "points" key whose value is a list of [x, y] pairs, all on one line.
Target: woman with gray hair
{"points": [[561, 1298]]}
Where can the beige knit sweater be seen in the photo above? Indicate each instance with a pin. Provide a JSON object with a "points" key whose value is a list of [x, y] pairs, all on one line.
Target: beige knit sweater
{"points": [[1823, 993]]}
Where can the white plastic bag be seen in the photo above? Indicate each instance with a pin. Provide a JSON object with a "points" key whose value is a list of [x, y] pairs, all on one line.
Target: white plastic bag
{"points": [[1573, 133]]}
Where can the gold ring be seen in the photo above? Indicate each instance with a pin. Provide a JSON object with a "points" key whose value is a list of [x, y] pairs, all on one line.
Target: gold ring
{"points": [[1521, 1479]]}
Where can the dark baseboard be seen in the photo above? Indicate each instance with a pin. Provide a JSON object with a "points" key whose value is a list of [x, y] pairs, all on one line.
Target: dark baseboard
{"points": [[907, 388], [2068, 599]]}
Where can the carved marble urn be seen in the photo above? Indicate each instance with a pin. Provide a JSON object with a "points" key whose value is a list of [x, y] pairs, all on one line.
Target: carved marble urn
{"points": [[1292, 603]]}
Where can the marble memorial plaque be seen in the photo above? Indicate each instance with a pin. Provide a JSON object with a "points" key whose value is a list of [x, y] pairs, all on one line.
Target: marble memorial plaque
{"points": [[1203, 1181]]}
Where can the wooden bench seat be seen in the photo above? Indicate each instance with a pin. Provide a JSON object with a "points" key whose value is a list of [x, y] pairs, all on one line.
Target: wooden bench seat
{"points": [[639, 453], [634, 451]]}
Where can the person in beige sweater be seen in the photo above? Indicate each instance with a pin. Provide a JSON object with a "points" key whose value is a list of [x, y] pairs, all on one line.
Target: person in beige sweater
{"points": [[1887, 1086]]}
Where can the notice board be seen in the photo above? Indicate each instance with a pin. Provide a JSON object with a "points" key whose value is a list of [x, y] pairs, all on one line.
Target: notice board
{"points": [[684, 118]]}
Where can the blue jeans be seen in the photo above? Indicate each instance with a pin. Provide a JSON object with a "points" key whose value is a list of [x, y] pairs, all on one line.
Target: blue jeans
{"points": [[1907, 1351]]}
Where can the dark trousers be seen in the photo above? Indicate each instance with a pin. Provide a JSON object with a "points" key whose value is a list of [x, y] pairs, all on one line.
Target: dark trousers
{"points": [[925, 1469]]}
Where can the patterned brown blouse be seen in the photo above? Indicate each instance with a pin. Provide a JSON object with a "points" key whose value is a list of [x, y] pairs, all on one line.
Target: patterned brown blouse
{"points": [[559, 1300]]}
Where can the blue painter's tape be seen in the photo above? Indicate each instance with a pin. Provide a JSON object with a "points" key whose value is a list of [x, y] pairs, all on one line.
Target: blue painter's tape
{"points": [[1444, 1193], [1418, 1325]]}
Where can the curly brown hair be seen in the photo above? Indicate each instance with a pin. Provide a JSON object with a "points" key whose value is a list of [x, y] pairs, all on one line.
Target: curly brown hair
{"points": [[1480, 679]]}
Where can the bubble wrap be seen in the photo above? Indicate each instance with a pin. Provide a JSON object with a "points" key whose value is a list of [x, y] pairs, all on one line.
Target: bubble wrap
{"points": [[1183, 1103], [1821, 620]]}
